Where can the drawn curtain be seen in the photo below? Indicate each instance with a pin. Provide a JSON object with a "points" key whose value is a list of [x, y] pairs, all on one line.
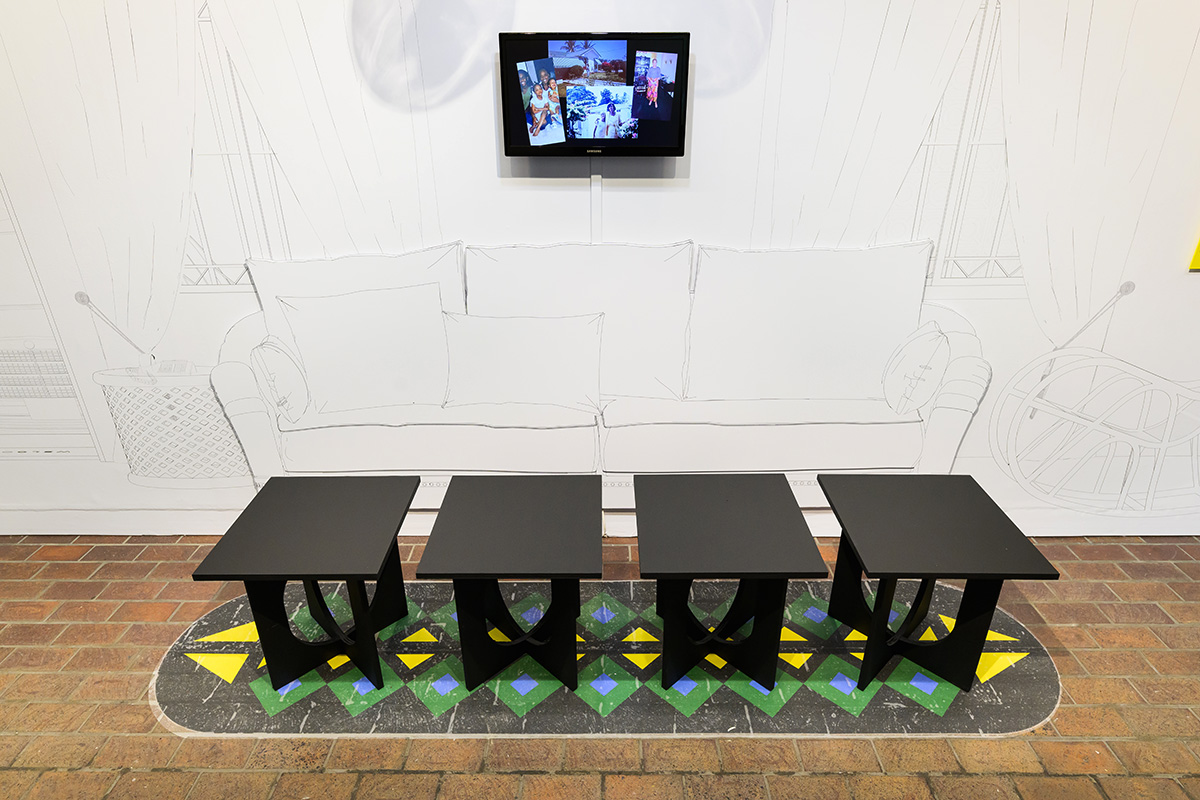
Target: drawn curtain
{"points": [[861, 82], [96, 154], [1090, 90], [357, 164]]}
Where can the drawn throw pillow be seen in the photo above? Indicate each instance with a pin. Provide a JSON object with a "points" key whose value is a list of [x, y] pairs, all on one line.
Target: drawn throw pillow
{"points": [[915, 370], [378, 347], [538, 360], [285, 385]]}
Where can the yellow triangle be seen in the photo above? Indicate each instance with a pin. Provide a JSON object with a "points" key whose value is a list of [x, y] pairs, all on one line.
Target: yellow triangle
{"points": [[928, 636], [242, 633], [578, 638], [643, 660], [855, 636], [992, 664], [796, 659], [578, 656], [498, 636], [422, 635], [337, 661], [857, 655], [789, 635], [716, 660], [992, 636], [640, 635], [224, 665], [262, 663], [411, 660]]}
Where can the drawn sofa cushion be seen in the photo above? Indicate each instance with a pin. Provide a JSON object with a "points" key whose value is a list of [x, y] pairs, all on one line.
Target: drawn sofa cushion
{"points": [[539, 361], [441, 265], [915, 370], [371, 348], [642, 290], [795, 324], [281, 379]]}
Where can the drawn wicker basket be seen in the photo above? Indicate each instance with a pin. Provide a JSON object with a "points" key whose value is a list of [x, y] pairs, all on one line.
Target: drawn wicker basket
{"points": [[173, 430]]}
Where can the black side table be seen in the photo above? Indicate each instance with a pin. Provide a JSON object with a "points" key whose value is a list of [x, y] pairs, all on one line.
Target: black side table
{"points": [[747, 527], [311, 529], [492, 527], [927, 527]]}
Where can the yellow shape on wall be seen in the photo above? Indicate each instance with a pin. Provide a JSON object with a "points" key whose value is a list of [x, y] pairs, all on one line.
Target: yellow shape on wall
{"points": [[224, 665]]}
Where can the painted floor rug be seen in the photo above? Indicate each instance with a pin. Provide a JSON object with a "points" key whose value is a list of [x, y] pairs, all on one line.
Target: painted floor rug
{"points": [[213, 679]]}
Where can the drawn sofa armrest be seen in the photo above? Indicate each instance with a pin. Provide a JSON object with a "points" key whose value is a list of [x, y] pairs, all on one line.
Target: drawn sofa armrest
{"points": [[952, 408], [251, 418]]}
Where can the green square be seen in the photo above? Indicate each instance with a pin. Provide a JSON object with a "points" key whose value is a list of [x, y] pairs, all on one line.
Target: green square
{"points": [[605, 704], [445, 618], [686, 704], [426, 686], [415, 614], [854, 702], [304, 622], [355, 703], [273, 703], [786, 686], [795, 614], [938, 702], [538, 684], [602, 630]]}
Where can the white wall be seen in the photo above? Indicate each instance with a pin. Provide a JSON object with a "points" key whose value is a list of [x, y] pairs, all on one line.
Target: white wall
{"points": [[296, 129]]}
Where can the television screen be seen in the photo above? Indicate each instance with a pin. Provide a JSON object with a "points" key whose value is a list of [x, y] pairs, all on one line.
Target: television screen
{"points": [[606, 94]]}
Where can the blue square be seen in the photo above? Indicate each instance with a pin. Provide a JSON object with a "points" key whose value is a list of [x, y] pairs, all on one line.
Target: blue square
{"points": [[760, 687], [532, 615], [843, 684], [363, 685], [603, 615], [287, 687], [524, 684], [445, 684], [815, 614], [684, 685], [603, 684], [924, 683], [892, 616]]}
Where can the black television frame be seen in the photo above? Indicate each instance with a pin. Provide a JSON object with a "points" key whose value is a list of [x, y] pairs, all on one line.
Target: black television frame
{"points": [[510, 98]]}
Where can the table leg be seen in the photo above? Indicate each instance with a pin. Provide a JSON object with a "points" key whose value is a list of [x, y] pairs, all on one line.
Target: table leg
{"points": [[878, 650], [551, 642], [956, 656], [686, 641], [846, 602], [287, 657]]}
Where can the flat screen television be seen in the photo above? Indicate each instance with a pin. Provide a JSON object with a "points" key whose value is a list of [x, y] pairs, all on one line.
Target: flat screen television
{"points": [[593, 94]]}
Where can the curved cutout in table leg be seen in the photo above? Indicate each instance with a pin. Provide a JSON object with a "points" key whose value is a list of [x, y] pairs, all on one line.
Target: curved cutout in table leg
{"points": [[686, 641]]}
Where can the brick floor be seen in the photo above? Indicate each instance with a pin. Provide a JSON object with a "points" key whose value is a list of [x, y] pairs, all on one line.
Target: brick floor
{"points": [[84, 621]]}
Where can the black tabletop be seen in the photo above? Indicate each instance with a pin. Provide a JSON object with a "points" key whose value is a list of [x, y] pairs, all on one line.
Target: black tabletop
{"points": [[516, 526], [722, 526], [930, 526], [313, 528]]}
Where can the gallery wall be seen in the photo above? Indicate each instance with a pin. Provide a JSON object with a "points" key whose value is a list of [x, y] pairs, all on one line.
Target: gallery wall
{"points": [[1045, 148]]}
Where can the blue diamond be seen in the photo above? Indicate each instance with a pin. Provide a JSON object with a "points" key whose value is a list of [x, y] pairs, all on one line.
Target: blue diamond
{"points": [[684, 685], [603, 615], [603, 684], [892, 616], [524, 684], [288, 687], [363, 685], [924, 683], [532, 615], [445, 684], [815, 614], [760, 687], [843, 684]]}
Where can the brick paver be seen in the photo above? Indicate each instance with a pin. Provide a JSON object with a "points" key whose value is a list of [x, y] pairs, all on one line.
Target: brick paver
{"points": [[85, 620]]}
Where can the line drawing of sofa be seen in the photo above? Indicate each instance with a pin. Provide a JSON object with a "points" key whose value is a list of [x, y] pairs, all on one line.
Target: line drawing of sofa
{"points": [[612, 358]]}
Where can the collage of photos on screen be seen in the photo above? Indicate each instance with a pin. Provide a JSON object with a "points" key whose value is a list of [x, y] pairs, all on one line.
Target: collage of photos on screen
{"points": [[541, 99], [653, 84], [592, 77]]}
